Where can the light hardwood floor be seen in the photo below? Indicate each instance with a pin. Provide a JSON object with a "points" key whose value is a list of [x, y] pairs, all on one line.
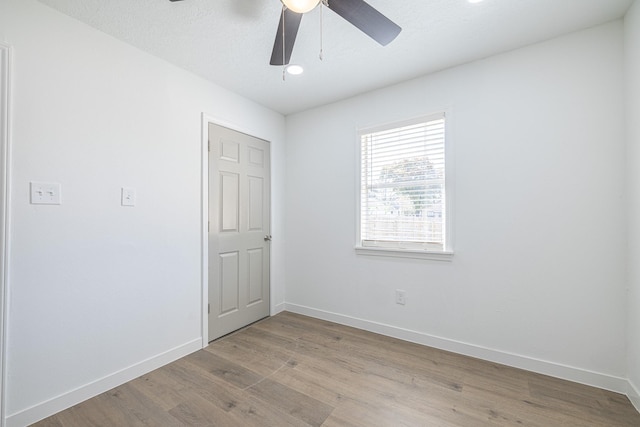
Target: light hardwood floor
{"points": [[291, 370]]}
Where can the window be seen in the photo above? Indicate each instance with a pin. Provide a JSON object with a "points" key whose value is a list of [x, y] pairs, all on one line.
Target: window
{"points": [[403, 190]]}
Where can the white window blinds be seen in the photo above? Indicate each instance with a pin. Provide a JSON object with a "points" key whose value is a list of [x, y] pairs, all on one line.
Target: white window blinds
{"points": [[402, 200]]}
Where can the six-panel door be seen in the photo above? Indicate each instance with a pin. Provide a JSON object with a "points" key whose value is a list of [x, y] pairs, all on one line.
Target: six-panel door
{"points": [[239, 207]]}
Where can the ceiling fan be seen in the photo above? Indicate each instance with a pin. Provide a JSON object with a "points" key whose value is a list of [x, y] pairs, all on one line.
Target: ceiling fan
{"points": [[357, 12]]}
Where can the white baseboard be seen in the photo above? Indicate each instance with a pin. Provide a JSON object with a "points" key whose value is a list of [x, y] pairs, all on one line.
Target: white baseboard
{"points": [[279, 308], [45, 409], [633, 393], [607, 382]]}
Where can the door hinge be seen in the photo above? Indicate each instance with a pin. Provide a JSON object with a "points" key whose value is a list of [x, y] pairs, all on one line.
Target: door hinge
{"points": [[208, 226], [208, 145], [209, 308]]}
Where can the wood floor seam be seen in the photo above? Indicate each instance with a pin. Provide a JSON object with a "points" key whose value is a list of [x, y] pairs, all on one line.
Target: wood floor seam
{"points": [[274, 372]]}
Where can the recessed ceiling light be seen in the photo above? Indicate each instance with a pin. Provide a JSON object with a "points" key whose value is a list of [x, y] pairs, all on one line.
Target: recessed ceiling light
{"points": [[295, 70], [474, 1]]}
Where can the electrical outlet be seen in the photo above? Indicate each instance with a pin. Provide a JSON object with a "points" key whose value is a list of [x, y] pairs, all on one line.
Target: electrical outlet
{"points": [[401, 297]]}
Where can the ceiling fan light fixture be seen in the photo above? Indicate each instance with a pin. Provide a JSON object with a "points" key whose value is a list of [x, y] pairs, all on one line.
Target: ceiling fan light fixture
{"points": [[300, 6]]}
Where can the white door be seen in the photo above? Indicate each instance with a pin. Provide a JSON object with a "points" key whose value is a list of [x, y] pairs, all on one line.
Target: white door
{"points": [[239, 230]]}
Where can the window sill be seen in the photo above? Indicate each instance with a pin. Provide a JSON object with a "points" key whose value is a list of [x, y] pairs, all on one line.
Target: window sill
{"points": [[404, 253]]}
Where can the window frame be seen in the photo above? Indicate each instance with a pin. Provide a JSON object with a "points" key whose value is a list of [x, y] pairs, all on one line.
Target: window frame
{"points": [[403, 252]]}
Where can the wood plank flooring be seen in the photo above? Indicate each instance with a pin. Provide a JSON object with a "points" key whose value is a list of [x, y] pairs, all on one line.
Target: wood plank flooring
{"points": [[291, 370]]}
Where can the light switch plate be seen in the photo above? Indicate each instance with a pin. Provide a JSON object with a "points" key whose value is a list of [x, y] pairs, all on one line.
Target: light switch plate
{"points": [[45, 193], [128, 196]]}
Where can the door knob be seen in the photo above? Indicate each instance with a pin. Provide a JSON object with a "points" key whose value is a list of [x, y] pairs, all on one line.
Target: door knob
{"points": [[267, 238]]}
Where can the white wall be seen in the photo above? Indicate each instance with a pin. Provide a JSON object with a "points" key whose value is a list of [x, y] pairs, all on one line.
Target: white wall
{"points": [[99, 292], [632, 51], [538, 276]]}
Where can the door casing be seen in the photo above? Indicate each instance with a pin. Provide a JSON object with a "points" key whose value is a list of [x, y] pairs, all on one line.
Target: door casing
{"points": [[5, 59]]}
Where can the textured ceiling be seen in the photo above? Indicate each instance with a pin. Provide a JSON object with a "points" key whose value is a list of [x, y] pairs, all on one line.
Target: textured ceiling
{"points": [[229, 42]]}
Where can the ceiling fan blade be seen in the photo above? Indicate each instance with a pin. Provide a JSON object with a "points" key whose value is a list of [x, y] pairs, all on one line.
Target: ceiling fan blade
{"points": [[366, 19], [289, 24]]}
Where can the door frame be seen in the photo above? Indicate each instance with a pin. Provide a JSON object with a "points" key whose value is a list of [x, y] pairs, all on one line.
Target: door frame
{"points": [[5, 153], [204, 205]]}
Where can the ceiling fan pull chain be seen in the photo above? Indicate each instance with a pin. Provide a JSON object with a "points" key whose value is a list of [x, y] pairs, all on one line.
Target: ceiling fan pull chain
{"points": [[284, 65], [322, 3]]}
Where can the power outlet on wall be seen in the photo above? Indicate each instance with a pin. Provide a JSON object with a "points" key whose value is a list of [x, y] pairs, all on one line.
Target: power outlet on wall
{"points": [[401, 297]]}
